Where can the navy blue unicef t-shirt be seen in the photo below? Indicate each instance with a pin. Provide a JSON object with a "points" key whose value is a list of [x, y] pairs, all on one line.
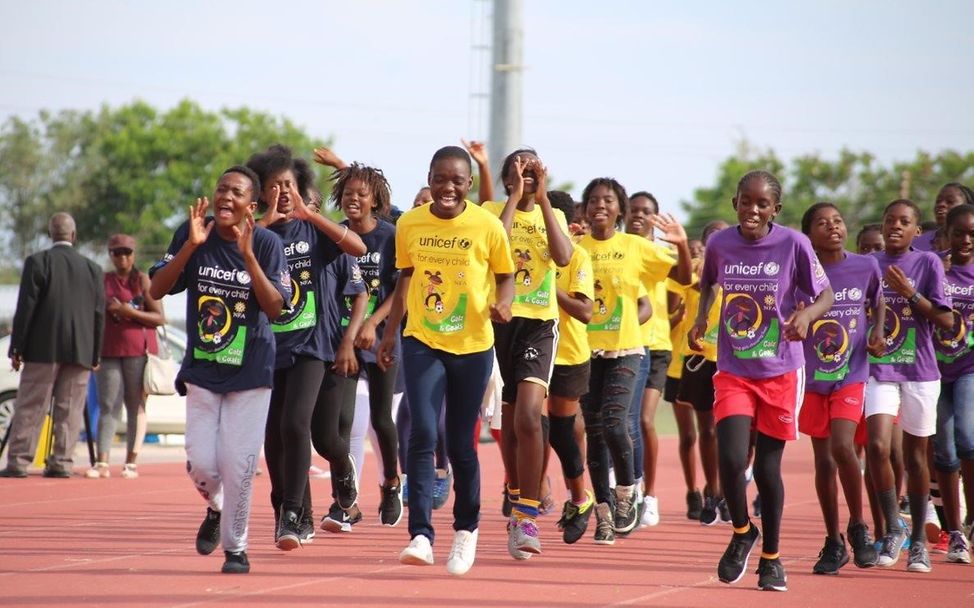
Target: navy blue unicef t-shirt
{"points": [[298, 331], [379, 272], [341, 282], [231, 346]]}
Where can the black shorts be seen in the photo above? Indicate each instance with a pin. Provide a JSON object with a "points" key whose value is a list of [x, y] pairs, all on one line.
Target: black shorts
{"points": [[659, 362], [525, 352], [670, 389], [697, 384], [570, 381]]}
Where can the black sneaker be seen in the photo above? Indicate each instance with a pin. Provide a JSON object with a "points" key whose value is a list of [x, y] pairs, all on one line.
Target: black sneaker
{"points": [[235, 562], [605, 533], [57, 473], [771, 575], [626, 512], [574, 519], [340, 520], [756, 505], [306, 531], [346, 486], [725, 516], [14, 473], [390, 507], [864, 552], [208, 536], [694, 505], [832, 556], [733, 562], [289, 531], [708, 512]]}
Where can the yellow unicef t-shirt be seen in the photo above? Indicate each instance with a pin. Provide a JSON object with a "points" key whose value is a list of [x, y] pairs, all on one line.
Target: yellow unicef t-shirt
{"points": [[573, 346], [620, 265], [656, 331], [453, 262], [534, 274], [709, 341], [678, 334]]}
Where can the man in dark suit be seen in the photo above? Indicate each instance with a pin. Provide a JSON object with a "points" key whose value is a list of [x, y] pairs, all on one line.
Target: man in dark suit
{"points": [[57, 334]]}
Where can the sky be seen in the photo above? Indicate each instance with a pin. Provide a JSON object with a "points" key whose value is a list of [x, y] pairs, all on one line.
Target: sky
{"points": [[655, 94]]}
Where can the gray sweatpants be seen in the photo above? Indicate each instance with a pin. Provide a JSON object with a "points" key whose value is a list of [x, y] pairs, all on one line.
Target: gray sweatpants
{"points": [[224, 434], [120, 380]]}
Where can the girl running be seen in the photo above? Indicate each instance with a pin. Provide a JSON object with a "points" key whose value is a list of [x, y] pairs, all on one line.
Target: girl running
{"points": [[622, 264], [526, 346], [236, 276], [906, 381], [760, 361], [954, 441], [312, 244], [446, 252], [836, 369], [948, 197]]}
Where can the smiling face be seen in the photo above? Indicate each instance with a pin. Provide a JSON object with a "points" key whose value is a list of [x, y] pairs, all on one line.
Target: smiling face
{"points": [[233, 199], [602, 208], [827, 231], [900, 227], [961, 235], [357, 200], [641, 214], [450, 181], [284, 182], [947, 199], [756, 207]]}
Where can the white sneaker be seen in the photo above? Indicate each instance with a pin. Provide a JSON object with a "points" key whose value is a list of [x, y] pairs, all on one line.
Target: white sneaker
{"points": [[99, 470], [418, 552], [130, 471], [650, 511], [462, 553], [931, 523]]}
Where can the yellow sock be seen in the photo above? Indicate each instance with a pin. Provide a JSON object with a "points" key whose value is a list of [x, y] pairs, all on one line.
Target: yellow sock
{"points": [[744, 530], [770, 555]]}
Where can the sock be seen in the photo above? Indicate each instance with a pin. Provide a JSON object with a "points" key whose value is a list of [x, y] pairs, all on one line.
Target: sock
{"points": [[513, 494], [588, 499], [744, 529], [918, 511], [891, 510], [938, 502], [770, 555], [525, 508]]}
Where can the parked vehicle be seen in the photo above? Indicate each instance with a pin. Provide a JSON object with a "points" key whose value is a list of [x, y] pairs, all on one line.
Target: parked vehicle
{"points": [[165, 414]]}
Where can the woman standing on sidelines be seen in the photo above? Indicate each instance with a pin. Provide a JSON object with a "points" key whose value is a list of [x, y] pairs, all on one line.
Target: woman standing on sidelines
{"points": [[760, 360], [312, 243], [446, 252], [130, 333], [236, 276], [836, 369]]}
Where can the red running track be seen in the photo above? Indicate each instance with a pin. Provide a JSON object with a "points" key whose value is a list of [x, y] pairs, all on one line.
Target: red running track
{"points": [[119, 542]]}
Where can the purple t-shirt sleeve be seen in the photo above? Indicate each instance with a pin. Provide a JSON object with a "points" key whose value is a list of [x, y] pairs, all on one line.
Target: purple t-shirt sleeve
{"points": [[935, 288], [810, 276], [708, 276], [874, 286]]}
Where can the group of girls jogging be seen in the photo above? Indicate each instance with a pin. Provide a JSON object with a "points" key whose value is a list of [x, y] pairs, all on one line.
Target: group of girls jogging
{"points": [[755, 333]]}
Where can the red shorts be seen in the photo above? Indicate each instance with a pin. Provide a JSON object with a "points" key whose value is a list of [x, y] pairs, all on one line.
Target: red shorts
{"points": [[818, 410], [771, 402]]}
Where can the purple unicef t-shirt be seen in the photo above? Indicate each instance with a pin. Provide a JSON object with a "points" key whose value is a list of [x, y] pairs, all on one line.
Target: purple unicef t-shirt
{"points": [[759, 279], [835, 349], [924, 242], [955, 347], [909, 353]]}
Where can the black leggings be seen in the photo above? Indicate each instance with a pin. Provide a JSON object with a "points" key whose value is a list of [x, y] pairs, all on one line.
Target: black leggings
{"points": [[382, 385], [287, 447], [331, 424], [733, 441]]}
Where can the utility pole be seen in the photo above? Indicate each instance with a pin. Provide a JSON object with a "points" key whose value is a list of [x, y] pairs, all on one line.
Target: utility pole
{"points": [[505, 83]]}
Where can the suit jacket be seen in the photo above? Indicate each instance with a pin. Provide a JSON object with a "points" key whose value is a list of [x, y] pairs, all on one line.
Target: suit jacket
{"points": [[60, 315]]}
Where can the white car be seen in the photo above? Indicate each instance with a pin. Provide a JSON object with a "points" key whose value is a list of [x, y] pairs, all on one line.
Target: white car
{"points": [[164, 414]]}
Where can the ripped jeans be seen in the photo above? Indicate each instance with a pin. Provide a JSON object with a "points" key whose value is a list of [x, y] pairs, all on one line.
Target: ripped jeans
{"points": [[605, 409]]}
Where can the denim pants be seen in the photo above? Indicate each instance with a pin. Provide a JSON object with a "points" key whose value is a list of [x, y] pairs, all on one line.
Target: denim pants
{"points": [[606, 410], [955, 425], [636, 413], [432, 375]]}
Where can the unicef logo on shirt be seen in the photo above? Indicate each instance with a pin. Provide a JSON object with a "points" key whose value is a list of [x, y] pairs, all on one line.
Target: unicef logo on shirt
{"points": [[302, 247], [771, 269], [244, 277], [855, 294], [464, 244]]}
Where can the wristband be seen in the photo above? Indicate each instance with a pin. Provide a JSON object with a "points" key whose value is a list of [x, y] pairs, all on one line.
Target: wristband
{"points": [[915, 298], [344, 234]]}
